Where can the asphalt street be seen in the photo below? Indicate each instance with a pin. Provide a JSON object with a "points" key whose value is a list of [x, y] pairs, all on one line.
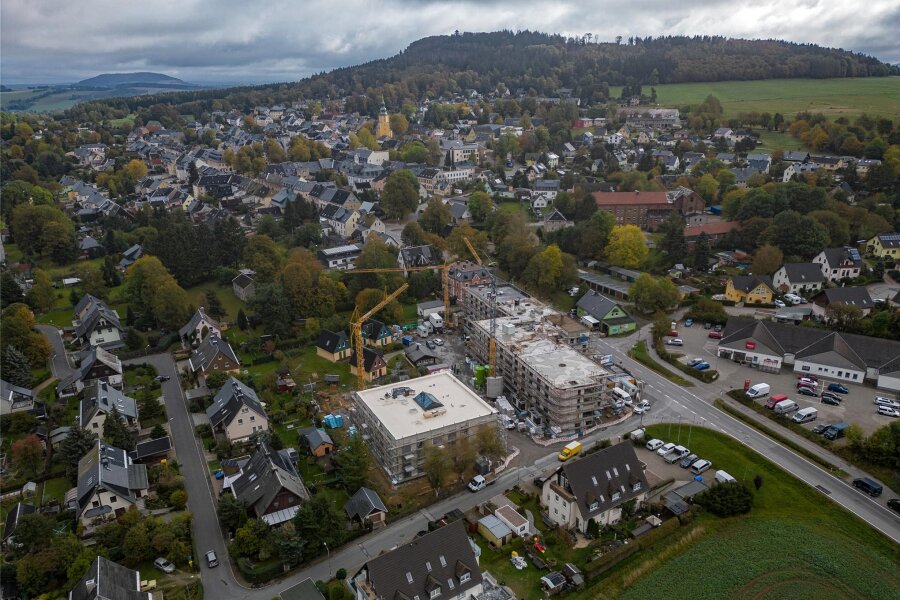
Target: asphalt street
{"points": [[59, 362], [670, 403]]}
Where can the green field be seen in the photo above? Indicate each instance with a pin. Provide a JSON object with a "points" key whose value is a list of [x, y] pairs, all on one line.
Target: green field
{"points": [[794, 543], [834, 97]]}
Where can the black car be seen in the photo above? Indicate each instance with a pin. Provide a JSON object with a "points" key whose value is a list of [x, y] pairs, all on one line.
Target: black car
{"points": [[806, 391], [820, 428], [162, 378], [831, 399], [894, 504]]}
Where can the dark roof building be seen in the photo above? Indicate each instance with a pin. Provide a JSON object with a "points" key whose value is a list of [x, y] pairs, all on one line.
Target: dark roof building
{"points": [[214, 354], [233, 400], [270, 486], [12, 520], [95, 323], [364, 504], [106, 580], [149, 449], [857, 297], [439, 564], [110, 470], [418, 256]]}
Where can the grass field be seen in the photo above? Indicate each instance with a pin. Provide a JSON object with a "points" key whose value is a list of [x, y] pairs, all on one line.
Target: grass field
{"points": [[794, 543], [834, 97]]}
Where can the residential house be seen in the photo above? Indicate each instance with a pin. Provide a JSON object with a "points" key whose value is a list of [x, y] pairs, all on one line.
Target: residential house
{"points": [[341, 220], [96, 324], [594, 488], [237, 412], [796, 169], [130, 256], [459, 212], [339, 258], [856, 297], [97, 364], [604, 314], [750, 289], [213, 355], [98, 400], [418, 256], [463, 274], [109, 483], [366, 507], [885, 245], [317, 441], [439, 564], [547, 188], [333, 346], [20, 510], [88, 247], [14, 398], [647, 210], [716, 232], [270, 486], [378, 335], [554, 221], [107, 580], [839, 263], [799, 278], [374, 364], [796, 156], [243, 286], [767, 346], [199, 326]]}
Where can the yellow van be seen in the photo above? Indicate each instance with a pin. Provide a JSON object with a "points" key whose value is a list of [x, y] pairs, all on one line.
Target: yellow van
{"points": [[571, 449]]}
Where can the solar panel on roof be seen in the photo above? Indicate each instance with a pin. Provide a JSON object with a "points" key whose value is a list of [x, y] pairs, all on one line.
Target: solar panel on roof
{"points": [[854, 254]]}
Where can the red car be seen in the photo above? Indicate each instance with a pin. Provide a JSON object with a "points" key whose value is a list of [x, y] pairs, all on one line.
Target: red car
{"points": [[715, 335], [810, 377], [672, 333]]}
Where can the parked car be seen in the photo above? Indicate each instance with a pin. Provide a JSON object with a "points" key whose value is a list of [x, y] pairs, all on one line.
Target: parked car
{"points": [[439, 341], [882, 401], [714, 335], [779, 304], [836, 387], [666, 449], [675, 342], [677, 453], [802, 389], [820, 428], [718, 327], [642, 407], [894, 504], [672, 333], [655, 444], [707, 326], [211, 560], [830, 399], [695, 360], [430, 345], [689, 323], [702, 366], [164, 565], [888, 412], [810, 377], [808, 381], [869, 486], [809, 386], [700, 466], [688, 460]]}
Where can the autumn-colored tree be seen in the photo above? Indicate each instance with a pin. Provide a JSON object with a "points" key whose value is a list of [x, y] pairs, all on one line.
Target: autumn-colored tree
{"points": [[435, 217], [28, 455], [766, 260], [626, 247], [399, 124], [480, 204], [263, 256], [457, 246]]}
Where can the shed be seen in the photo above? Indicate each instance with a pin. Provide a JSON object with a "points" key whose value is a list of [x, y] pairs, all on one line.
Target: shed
{"points": [[365, 505], [494, 531], [512, 519]]}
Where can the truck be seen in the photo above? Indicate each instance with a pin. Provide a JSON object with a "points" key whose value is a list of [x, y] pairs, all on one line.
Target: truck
{"points": [[570, 450], [479, 482], [836, 431]]}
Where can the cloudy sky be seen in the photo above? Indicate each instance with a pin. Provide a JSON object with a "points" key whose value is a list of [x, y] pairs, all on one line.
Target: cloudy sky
{"points": [[48, 41]]}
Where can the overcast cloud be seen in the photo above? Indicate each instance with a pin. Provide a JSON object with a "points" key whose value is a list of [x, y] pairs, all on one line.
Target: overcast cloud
{"points": [[49, 41]]}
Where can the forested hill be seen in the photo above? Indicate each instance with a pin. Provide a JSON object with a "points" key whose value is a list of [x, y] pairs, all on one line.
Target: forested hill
{"points": [[544, 63]]}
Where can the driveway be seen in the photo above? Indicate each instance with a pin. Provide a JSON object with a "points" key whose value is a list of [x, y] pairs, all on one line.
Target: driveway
{"points": [[59, 360]]}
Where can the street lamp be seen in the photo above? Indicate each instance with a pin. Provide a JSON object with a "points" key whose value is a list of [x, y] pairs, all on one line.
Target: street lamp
{"points": [[329, 557]]}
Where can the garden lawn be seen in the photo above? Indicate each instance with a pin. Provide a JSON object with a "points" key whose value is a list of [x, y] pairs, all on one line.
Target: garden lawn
{"points": [[525, 583], [794, 543], [314, 366], [230, 302], [56, 488], [58, 318]]}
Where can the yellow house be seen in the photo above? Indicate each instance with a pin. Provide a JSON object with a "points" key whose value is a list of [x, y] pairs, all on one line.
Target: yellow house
{"points": [[885, 245], [749, 289]]}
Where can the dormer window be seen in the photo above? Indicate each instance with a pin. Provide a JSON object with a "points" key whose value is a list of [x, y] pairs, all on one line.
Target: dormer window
{"points": [[636, 486], [464, 577], [594, 506], [435, 593], [615, 496]]}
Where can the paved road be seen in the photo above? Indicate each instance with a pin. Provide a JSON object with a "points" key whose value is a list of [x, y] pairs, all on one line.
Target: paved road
{"points": [[670, 403], [59, 362]]}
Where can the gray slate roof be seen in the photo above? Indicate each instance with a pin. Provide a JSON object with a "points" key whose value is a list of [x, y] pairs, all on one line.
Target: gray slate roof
{"points": [[111, 469], [229, 400], [596, 305], [209, 349], [363, 503], [747, 283], [263, 478], [595, 478], [101, 397], [803, 273], [12, 518], [316, 436], [851, 296], [415, 569], [198, 317], [89, 312], [106, 580], [835, 256]]}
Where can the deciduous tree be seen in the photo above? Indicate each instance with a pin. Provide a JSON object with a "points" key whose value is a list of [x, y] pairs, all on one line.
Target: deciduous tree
{"points": [[28, 455], [766, 260], [401, 194], [626, 246], [436, 467]]}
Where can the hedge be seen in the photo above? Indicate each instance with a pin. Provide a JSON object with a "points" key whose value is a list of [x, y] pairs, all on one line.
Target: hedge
{"points": [[707, 376], [260, 573]]}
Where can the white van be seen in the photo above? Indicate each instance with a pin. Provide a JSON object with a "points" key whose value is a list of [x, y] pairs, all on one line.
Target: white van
{"points": [[793, 299], [700, 466], [805, 415], [724, 477], [759, 390], [786, 406]]}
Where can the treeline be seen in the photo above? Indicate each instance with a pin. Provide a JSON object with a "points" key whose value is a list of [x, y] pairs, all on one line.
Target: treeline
{"points": [[536, 62]]}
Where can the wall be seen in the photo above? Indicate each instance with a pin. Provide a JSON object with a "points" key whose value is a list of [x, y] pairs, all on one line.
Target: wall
{"points": [[844, 374], [244, 424]]}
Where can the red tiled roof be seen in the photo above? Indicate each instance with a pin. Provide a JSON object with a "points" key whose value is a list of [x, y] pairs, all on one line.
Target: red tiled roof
{"points": [[615, 198], [711, 228]]}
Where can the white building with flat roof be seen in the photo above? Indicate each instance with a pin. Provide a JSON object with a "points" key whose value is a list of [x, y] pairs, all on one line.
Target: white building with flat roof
{"points": [[399, 421]]}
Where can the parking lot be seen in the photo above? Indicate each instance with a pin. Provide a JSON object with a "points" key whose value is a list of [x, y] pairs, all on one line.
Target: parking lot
{"points": [[856, 407]]}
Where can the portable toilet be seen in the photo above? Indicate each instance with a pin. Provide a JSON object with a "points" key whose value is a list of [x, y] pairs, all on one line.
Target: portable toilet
{"points": [[480, 375], [351, 431]]}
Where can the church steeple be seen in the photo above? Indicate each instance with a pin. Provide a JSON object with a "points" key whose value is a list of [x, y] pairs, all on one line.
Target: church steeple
{"points": [[384, 122]]}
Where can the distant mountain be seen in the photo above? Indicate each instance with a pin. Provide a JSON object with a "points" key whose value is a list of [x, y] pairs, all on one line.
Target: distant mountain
{"points": [[113, 80]]}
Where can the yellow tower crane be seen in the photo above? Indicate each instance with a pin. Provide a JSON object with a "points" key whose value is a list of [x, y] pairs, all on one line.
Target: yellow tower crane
{"points": [[356, 324], [492, 342]]}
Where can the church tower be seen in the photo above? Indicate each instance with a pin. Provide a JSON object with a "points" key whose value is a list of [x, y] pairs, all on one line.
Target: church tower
{"points": [[384, 122]]}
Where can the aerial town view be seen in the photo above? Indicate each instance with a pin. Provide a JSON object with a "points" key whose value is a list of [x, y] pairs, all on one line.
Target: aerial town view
{"points": [[449, 300]]}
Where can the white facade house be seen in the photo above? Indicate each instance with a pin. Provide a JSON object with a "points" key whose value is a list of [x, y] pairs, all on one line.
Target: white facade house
{"points": [[798, 278], [839, 263]]}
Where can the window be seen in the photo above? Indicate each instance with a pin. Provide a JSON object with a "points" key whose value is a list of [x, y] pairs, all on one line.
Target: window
{"points": [[252, 418], [594, 506], [240, 421], [113, 499], [435, 593], [464, 577]]}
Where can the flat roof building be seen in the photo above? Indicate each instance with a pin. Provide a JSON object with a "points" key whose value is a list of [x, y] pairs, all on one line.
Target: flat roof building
{"points": [[399, 421]]}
